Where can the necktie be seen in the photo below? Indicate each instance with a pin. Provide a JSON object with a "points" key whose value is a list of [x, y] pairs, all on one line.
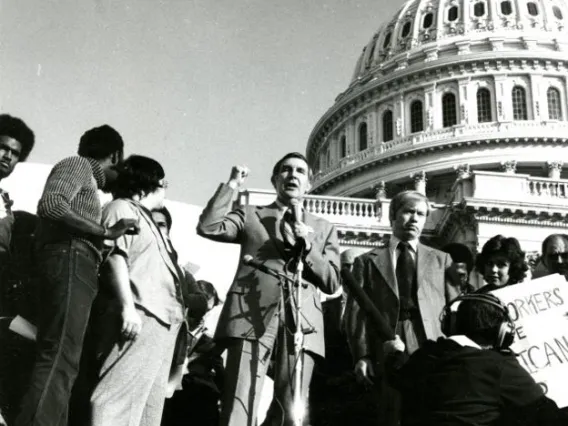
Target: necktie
{"points": [[6, 204], [287, 229], [405, 276]]}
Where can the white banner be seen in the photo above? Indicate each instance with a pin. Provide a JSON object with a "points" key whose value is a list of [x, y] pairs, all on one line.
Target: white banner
{"points": [[539, 309]]}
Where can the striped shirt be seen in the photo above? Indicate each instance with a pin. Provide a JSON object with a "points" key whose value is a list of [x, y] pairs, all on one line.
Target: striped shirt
{"points": [[72, 185]]}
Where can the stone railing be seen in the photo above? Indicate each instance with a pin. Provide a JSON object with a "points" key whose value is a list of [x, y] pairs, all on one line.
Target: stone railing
{"points": [[542, 187], [347, 214], [342, 211], [341, 206], [510, 130], [513, 189]]}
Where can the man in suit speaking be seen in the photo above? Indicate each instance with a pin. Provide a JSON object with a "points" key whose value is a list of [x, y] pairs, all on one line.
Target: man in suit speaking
{"points": [[407, 281], [258, 317]]}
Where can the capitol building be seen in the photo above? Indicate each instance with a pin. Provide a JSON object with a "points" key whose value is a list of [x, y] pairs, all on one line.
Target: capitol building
{"points": [[463, 100]]}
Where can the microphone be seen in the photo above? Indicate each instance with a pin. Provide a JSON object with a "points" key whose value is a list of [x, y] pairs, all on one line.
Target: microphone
{"points": [[296, 207], [250, 261]]}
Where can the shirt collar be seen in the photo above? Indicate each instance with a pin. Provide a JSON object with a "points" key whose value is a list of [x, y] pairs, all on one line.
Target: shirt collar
{"points": [[283, 207], [464, 341], [393, 244], [98, 172]]}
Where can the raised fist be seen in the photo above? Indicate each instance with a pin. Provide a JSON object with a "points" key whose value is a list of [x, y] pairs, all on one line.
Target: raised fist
{"points": [[238, 175]]}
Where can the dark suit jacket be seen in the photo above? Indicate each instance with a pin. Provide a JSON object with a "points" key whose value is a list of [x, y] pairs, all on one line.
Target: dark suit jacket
{"points": [[253, 297], [375, 273]]}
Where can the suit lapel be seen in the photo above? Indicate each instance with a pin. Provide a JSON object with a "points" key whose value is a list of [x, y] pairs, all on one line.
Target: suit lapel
{"points": [[269, 216], [312, 223], [423, 262], [382, 260]]}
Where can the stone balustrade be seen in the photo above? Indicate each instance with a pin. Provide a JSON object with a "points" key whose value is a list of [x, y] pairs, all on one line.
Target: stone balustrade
{"points": [[342, 211], [514, 189], [360, 209], [543, 187], [510, 131], [490, 190], [347, 214]]}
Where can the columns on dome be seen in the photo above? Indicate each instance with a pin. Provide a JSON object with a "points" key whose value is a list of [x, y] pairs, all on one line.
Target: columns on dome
{"points": [[372, 127], [429, 97], [380, 190], [465, 93], [463, 171], [536, 97], [463, 186], [509, 167], [351, 136], [554, 169], [420, 180], [399, 115], [502, 95], [380, 196]]}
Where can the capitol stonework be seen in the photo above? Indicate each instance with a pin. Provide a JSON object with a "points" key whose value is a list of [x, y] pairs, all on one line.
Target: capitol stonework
{"points": [[464, 100]]}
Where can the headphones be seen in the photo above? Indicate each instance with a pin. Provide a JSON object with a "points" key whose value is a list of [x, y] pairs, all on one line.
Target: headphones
{"points": [[506, 334]]}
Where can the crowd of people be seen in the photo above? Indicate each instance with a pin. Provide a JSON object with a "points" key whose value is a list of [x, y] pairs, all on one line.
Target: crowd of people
{"points": [[121, 338]]}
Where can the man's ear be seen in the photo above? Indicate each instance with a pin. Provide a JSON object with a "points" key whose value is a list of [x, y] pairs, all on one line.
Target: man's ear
{"points": [[115, 158]]}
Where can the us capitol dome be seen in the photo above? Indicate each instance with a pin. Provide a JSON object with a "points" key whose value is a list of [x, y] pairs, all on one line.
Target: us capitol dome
{"points": [[466, 101], [463, 100]]}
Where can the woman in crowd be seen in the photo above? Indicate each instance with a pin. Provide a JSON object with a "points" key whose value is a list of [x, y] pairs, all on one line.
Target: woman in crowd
{"points": [[502, 263]]}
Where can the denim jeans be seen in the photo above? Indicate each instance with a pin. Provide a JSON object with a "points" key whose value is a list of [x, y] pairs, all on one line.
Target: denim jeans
{"points": [[68, 284]]}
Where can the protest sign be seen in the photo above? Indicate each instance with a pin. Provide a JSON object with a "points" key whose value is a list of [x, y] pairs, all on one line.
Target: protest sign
{"points": [[539, 309]]}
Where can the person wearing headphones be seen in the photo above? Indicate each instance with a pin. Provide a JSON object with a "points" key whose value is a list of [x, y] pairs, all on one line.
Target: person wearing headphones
{"points": [[471, 377]]}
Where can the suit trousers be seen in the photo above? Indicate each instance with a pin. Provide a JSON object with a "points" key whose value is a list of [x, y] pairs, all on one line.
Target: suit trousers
{"points": [[247, 363], [412, 333], [133, 379], [68, 285]]}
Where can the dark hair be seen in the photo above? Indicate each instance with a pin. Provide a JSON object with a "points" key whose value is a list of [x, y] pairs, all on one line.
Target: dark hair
{"points": [[15, 128], [100, 142], [400, 199], [510, 249], [164, 210], [460, 253], [276, 168], [480, 321], [209, 290], [551, 238], [137, 175]]}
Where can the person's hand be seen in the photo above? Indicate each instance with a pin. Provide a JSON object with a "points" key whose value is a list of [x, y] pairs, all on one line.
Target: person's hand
{"points": [[364, 372], [131, 323], [238, 176], [123, 226], [395, 345], [301, 231]]}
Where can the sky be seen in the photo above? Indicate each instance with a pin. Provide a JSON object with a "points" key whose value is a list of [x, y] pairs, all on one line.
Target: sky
{"points": [[197, 85]]}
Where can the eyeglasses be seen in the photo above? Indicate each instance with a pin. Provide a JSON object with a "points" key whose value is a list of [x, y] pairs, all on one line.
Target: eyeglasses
{"points": [[164, 184]]}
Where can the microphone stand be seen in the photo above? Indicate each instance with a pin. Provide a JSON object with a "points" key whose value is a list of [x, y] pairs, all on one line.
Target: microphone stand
{"points": [[294, 287], [298, 408]]}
